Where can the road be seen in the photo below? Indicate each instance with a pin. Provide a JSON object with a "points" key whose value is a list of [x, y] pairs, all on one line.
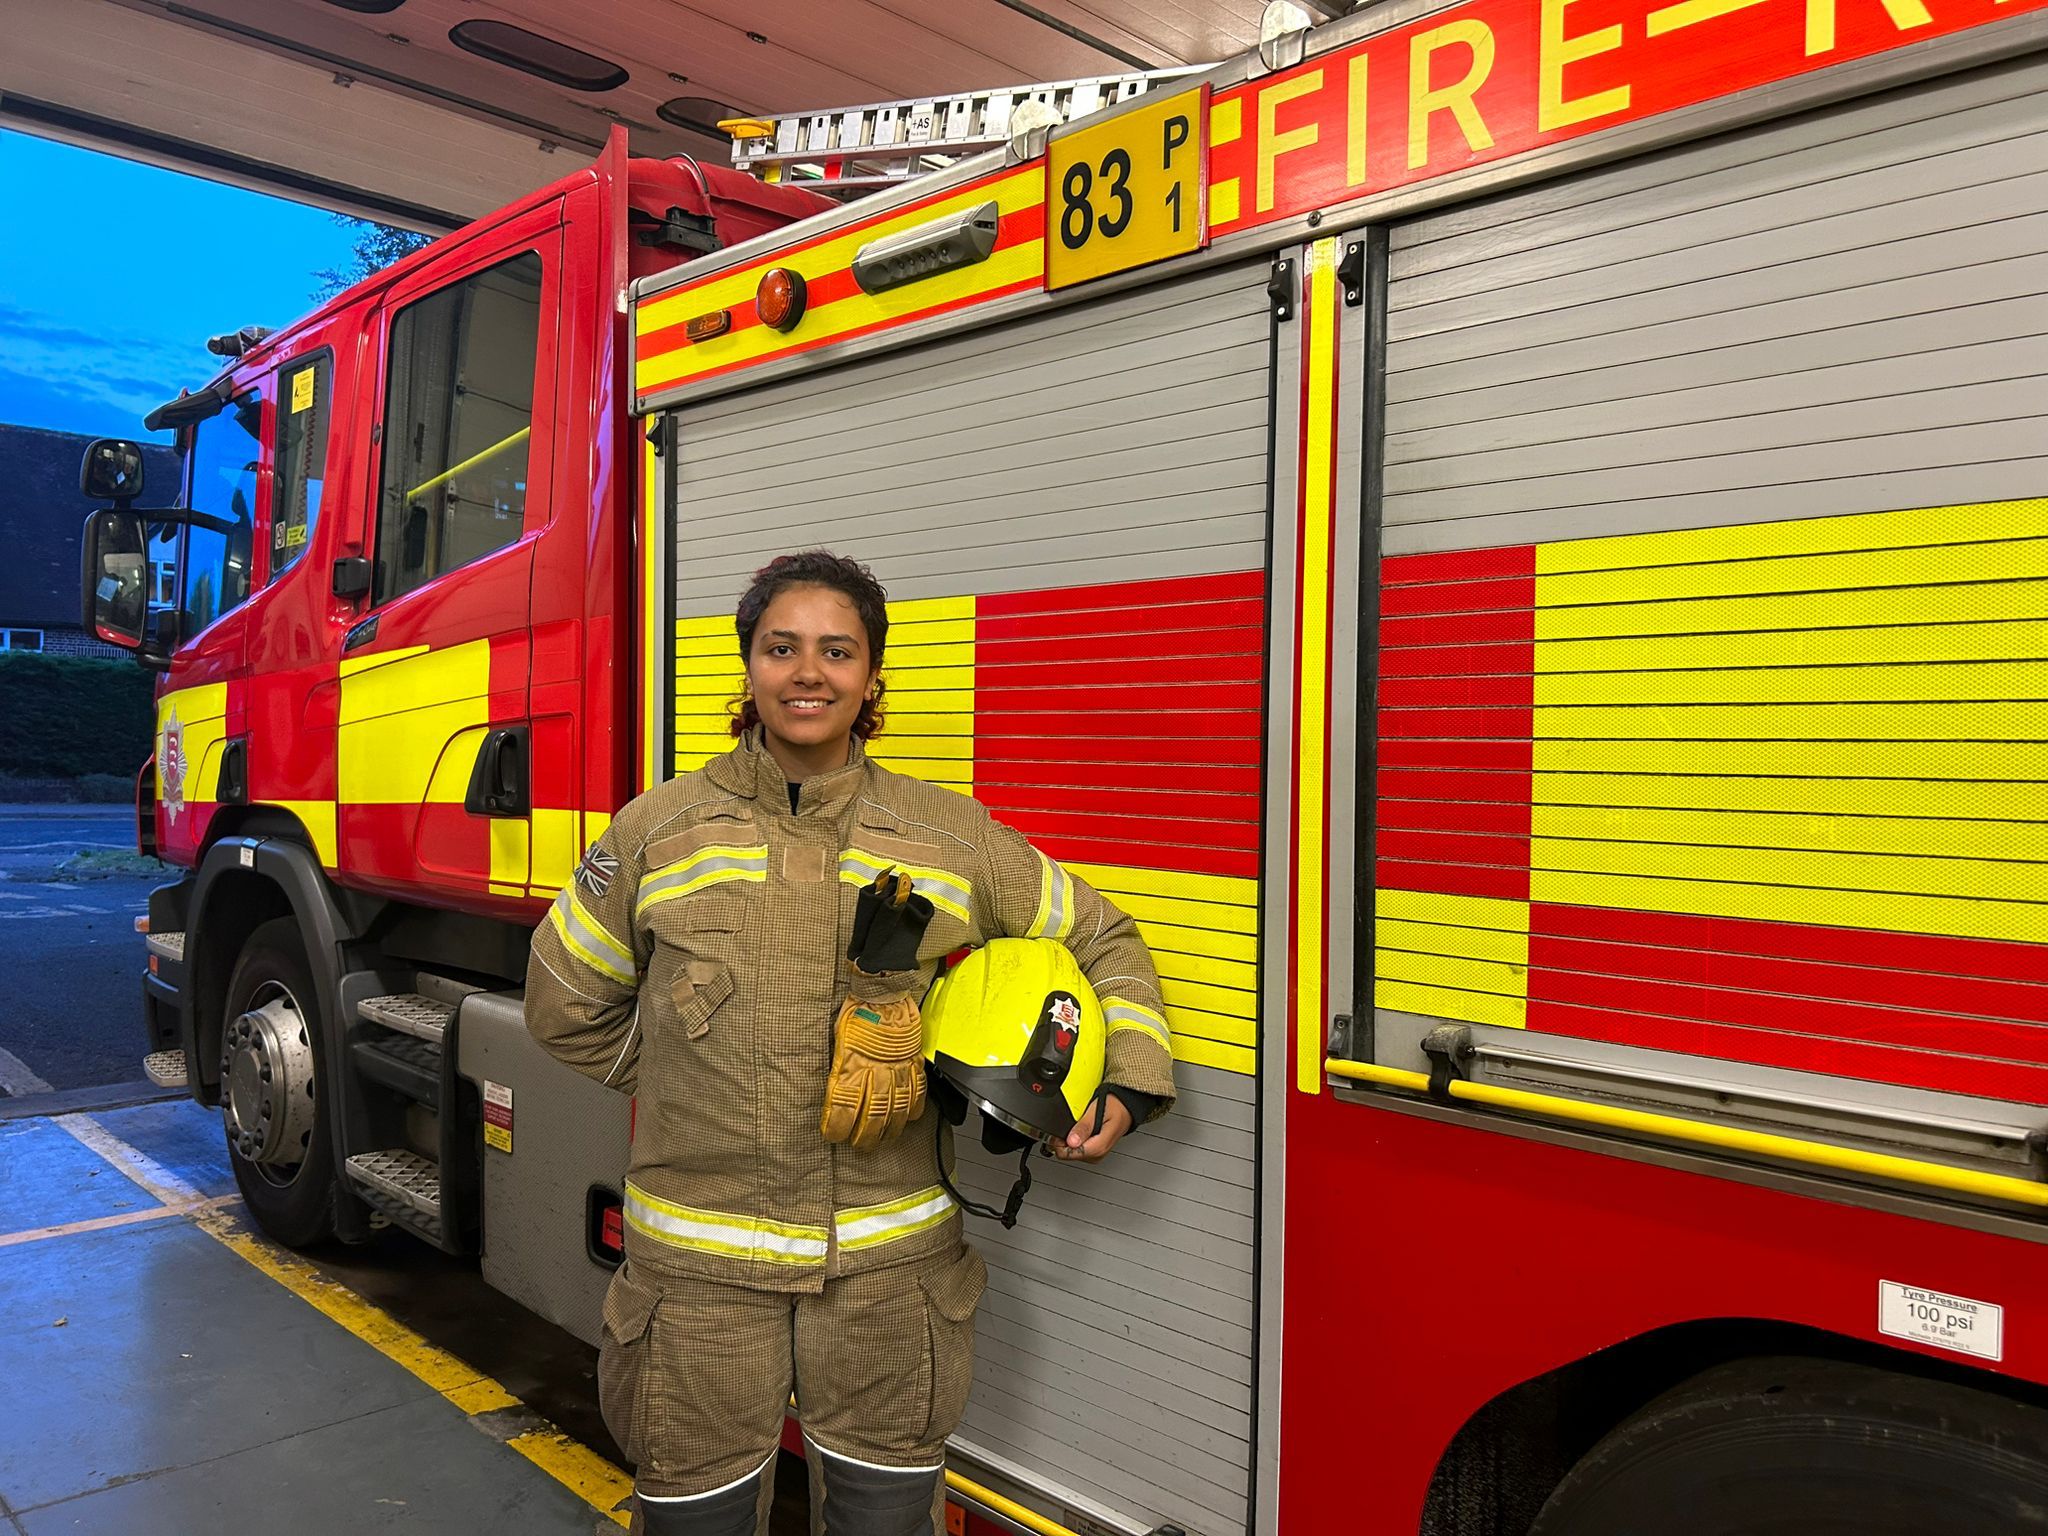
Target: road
{"points": [[70, 959]]}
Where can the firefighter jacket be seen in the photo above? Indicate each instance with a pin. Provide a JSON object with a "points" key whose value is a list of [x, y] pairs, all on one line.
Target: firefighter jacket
{"points": [[697, 960]]}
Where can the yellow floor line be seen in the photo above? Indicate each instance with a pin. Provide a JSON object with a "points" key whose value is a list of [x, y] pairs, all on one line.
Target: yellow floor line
{"points": [[576, 1467]]}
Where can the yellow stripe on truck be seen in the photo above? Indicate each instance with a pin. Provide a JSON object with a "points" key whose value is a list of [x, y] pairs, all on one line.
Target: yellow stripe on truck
{"points": [[399, 718]]}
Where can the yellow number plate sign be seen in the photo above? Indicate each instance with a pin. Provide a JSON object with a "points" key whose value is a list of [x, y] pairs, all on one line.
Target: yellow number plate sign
{"points": [[1129, 190]]}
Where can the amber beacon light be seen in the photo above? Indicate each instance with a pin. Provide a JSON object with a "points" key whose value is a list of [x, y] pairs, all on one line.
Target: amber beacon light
{"points": [[779, 301]]}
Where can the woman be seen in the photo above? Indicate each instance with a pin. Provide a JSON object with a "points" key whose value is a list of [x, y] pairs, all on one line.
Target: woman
{"points": [[780, 1237]]}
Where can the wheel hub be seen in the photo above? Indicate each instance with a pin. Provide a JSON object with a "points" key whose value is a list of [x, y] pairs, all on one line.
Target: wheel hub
{"points": [[267, 1089]]}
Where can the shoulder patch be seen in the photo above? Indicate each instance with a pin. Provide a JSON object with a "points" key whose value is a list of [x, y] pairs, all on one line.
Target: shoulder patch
{"points": [[596, 872]]}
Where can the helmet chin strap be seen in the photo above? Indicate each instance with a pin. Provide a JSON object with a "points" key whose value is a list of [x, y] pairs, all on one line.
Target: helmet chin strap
{"points": [[1022, 1187], [1018, 1190]]}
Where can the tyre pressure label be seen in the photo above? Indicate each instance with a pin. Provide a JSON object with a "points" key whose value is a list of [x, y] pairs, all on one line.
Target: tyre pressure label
{"points": [[498, 1116], [1947, 1322]]}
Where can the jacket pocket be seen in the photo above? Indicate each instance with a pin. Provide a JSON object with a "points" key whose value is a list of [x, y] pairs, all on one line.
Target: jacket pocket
{"points": [[622, 1366], [951, 1294], [698, 990]]}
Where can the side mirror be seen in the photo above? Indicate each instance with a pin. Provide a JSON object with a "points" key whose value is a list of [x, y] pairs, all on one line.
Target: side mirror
{"points": [[116, 578], [111, 470]]}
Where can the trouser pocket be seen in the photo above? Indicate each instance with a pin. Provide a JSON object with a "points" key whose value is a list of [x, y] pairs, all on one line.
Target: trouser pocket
{"points": [[622, 1363], [951, 1294]]}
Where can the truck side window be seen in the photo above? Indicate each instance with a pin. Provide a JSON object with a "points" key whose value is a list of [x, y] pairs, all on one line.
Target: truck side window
{"points": [[226, 460], [457, 413], [301, 462]]}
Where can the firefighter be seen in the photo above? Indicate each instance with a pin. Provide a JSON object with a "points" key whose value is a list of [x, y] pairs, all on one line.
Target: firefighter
{"points": [[788, 1224]]}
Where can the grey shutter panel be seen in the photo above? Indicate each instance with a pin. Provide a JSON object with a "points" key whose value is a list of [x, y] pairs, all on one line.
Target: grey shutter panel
{"points": [[1838, 313], [1113, 441], [1120, 440]]}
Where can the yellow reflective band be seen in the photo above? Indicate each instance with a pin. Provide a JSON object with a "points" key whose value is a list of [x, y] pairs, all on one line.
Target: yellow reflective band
{"points": [[1055, 916], [705, 867], [736, 1237], [942, 888], [869, 1226], [587, 941], [1121, 1013]]}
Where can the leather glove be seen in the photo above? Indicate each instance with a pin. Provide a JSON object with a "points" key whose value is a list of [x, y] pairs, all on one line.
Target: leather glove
{"points": [[889, 921], [876, 1086]]}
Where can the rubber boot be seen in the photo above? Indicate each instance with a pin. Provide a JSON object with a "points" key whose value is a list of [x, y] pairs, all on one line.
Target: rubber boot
{"points": [[727, 1511], [862, 1499]]}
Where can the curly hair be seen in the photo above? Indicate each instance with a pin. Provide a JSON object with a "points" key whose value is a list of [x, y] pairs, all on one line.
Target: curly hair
{"points": [[815, 568]]}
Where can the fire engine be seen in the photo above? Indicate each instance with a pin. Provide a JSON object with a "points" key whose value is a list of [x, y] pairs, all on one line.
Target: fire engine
{"points": [[1510, 536]]}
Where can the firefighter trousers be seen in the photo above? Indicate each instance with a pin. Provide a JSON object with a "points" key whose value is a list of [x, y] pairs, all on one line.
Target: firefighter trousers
{"points": [[695, 1376]]}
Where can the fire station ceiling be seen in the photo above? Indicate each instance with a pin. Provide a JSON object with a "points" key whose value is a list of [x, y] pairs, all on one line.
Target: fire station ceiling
{"points": [[429, 112]]}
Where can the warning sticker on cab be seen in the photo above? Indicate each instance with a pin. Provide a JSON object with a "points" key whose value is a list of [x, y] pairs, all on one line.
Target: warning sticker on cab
{"points": [[498, 1116], [1944, 1321]]}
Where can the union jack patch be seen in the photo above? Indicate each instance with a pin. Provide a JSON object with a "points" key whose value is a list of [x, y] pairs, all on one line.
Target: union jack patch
{"points": [[595, 873]]}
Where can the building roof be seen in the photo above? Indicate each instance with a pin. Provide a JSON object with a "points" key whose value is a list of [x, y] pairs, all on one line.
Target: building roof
{"points": [[42, 515]]}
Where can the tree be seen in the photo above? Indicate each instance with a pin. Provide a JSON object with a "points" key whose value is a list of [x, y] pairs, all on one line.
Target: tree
{"points": [[376, 247]]}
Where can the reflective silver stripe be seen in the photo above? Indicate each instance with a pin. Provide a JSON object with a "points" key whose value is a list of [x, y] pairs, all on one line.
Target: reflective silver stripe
{"points": [[590, 943], [1117, 1013], [865, 1226], [1058, 901], [938, 886], [691, 1498], [737, 1237], [706, 869], [873, 1466]]}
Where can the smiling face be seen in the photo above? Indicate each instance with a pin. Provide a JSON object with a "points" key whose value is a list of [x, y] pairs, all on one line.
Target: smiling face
{"points": [[809, 671]]}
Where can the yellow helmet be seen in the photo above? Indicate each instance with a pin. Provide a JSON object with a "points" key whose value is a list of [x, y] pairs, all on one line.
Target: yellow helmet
{"points": [[1016, 1027]]}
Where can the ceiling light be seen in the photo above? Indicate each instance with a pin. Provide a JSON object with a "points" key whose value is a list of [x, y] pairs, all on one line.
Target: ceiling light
{"points": [[503, 43]]}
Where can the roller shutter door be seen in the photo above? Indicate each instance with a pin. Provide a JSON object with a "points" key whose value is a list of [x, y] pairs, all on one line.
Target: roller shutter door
{"points": [[1839, 313], [1041, 500], [1713, 681]]}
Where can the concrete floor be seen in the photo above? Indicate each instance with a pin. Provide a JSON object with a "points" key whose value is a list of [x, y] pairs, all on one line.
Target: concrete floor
{"points": [[160, 1382]]}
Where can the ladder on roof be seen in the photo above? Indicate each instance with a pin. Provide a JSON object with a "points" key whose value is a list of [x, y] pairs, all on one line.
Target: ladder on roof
{"points": [[856, 149]]}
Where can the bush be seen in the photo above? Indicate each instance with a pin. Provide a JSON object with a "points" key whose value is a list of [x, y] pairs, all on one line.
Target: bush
{"points": [[105, 788], [67, 716]]}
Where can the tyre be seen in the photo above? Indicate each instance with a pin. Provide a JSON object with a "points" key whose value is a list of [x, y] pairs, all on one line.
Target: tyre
{"points": [[273, 1099], [1797, 1447]]}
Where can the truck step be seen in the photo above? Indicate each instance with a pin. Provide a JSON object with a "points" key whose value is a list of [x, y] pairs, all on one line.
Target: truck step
{"points": [[403, 1185], [404, 1062], [165, 1068], [170, 946], [409, 1014]]}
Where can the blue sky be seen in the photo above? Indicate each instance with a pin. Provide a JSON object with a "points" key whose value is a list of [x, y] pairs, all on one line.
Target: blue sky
{"points": [[113, 274]]}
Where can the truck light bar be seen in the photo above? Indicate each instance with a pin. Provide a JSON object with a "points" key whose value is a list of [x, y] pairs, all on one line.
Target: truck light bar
{"points": [[1792, 1149], [925, 250]]}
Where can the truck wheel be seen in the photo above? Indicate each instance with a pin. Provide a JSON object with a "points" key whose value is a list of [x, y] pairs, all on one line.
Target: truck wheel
{"points": [[272, 1096], [1796, 1447]]}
